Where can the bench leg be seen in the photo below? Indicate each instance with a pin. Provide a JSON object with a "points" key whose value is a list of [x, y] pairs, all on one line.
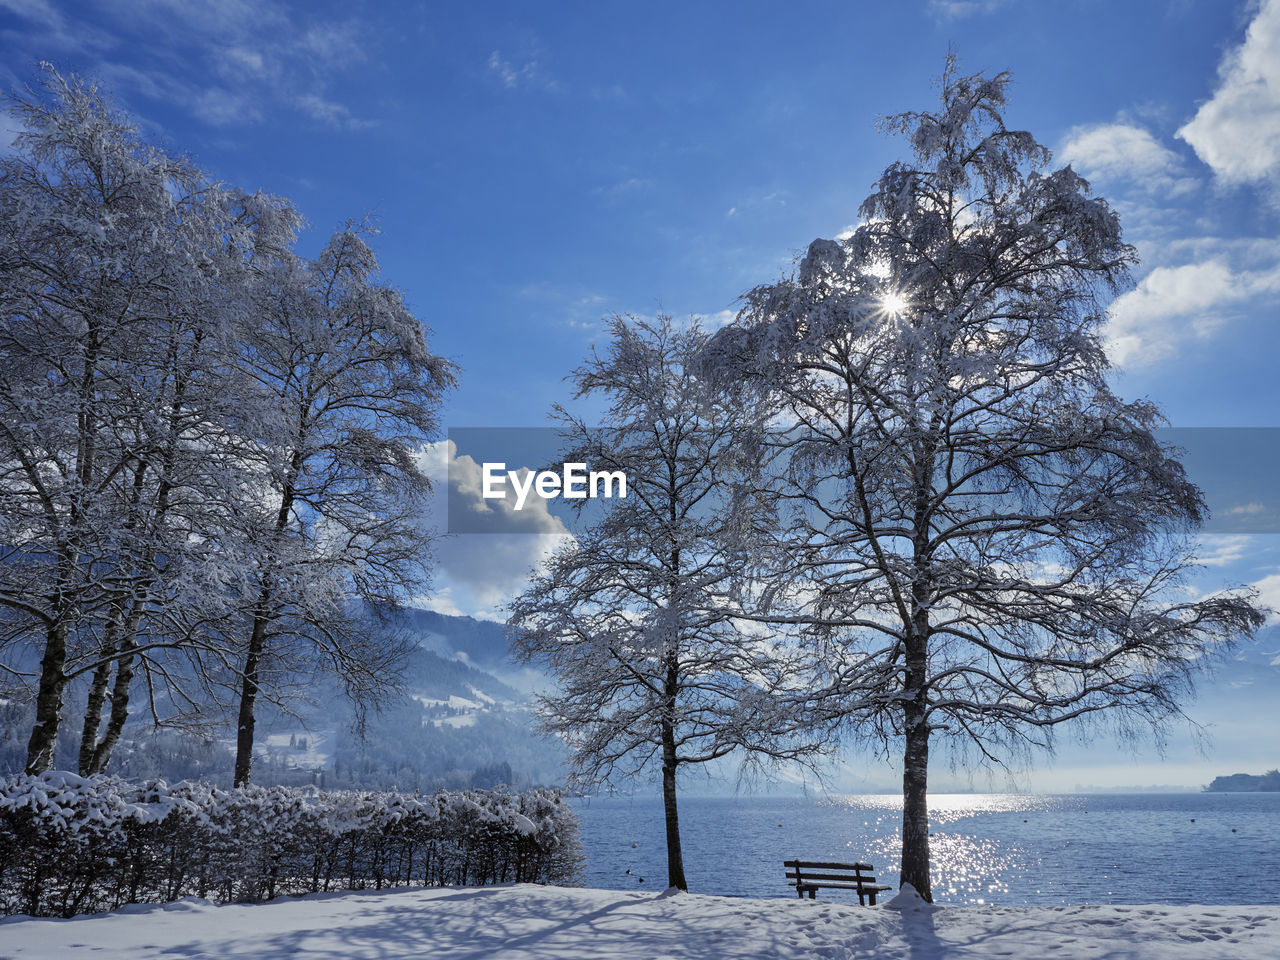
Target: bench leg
{"points": [[813, 893], [873, 898]]}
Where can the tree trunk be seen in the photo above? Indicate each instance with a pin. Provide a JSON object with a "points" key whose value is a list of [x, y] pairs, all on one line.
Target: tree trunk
{"points": [[121, 640], [249, 693], [44, 734], [915, 810], [98, 690], [670, 692], [128, 626], [258, 635], [915, 759], [119, 708], [93, 713], [53, 678], [675, 858]]}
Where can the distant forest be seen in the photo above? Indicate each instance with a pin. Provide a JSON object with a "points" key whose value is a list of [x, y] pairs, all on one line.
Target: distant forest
{"points": [[1268, 782]]}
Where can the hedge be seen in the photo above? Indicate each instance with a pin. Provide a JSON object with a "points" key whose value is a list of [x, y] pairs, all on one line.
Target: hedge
{"points": [[71, 844]]}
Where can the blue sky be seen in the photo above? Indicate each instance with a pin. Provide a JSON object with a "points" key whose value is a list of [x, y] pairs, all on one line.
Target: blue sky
{"points": [[536, 167]]}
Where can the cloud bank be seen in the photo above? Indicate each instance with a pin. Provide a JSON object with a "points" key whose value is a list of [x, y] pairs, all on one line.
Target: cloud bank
{"points": [[1237, 131], [1123, 151], [476, 573]]}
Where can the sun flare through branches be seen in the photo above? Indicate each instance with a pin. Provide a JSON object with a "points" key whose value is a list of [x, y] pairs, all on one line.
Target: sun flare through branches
{"points": [[893, 303]]}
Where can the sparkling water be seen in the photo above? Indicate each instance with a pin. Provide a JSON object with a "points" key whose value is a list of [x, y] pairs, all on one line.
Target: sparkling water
{"points": [[1008, 849]]}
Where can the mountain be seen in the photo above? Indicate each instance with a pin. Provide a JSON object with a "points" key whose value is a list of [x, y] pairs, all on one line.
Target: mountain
{"points": [[457, 723], [482, 642], [466, 717]]}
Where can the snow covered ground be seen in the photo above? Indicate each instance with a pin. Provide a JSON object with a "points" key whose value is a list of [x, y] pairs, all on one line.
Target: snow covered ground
{"points": [[526, 922]]}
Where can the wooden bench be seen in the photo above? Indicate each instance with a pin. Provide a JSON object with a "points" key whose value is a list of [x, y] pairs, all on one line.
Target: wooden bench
{"points": [[808, 875]]}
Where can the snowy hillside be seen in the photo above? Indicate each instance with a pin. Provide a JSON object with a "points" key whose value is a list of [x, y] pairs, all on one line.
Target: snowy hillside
{"points": [[481, 642], [456, 724]]}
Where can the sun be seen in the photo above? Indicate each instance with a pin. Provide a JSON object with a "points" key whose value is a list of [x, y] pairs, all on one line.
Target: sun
{"points": [[893, 303]]}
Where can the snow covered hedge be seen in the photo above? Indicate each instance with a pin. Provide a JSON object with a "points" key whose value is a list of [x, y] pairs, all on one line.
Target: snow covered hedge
{"points": [[72, 844]]}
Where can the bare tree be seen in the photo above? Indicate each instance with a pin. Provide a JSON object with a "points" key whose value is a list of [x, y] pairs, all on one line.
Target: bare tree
{"points": [[176, 497], [120, 265], [194, 424], [988, 541], [637, 620], [346, 390]]}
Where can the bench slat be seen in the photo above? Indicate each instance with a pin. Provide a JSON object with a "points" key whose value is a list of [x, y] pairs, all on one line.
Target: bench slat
{"points": [[846, 886], [825, 865], [845, 877]]}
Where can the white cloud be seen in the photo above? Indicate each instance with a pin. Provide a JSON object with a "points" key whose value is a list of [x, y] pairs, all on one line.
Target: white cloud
{"points": [[1248, 510], [714, 321], [221, 107], [527, 73], [961, 9], [1269, 595], [755, 203], [623, 188], [324, 110], [335, 43], [246, 60], [1222, 550], [1122, 151], [476, 573], [329, 112], [39, 11], [1237, 131], [260, 54], [503, 70], [1246, 253], [1176, 305], [569, 305], [1169, 306]]}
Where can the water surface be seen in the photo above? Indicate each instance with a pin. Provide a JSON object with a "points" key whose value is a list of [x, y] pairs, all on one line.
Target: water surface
{"points": [[987, 848]]}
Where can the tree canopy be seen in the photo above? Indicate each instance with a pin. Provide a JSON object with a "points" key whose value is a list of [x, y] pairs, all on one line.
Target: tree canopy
{"points": [[985, 539], [637, 620]]}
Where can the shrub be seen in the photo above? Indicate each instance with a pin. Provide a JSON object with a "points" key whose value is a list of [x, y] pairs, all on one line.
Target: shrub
{"points": [[71, 844]]}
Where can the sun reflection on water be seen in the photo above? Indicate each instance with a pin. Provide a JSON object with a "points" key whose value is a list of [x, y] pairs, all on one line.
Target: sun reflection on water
{"points": [[966, 867]]}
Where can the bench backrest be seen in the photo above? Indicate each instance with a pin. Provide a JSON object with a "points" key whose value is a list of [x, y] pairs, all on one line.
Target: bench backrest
{"points": [[817, 871]]}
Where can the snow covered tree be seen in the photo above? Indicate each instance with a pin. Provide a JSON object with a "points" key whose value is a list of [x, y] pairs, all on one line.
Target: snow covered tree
{"points": [[987, 540], [186, 397], [636, 620], [346, 392], [116, 262], [195, 427]]}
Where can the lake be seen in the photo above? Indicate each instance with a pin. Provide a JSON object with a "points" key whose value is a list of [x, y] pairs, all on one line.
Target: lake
{"points": [[1202, 848]]}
